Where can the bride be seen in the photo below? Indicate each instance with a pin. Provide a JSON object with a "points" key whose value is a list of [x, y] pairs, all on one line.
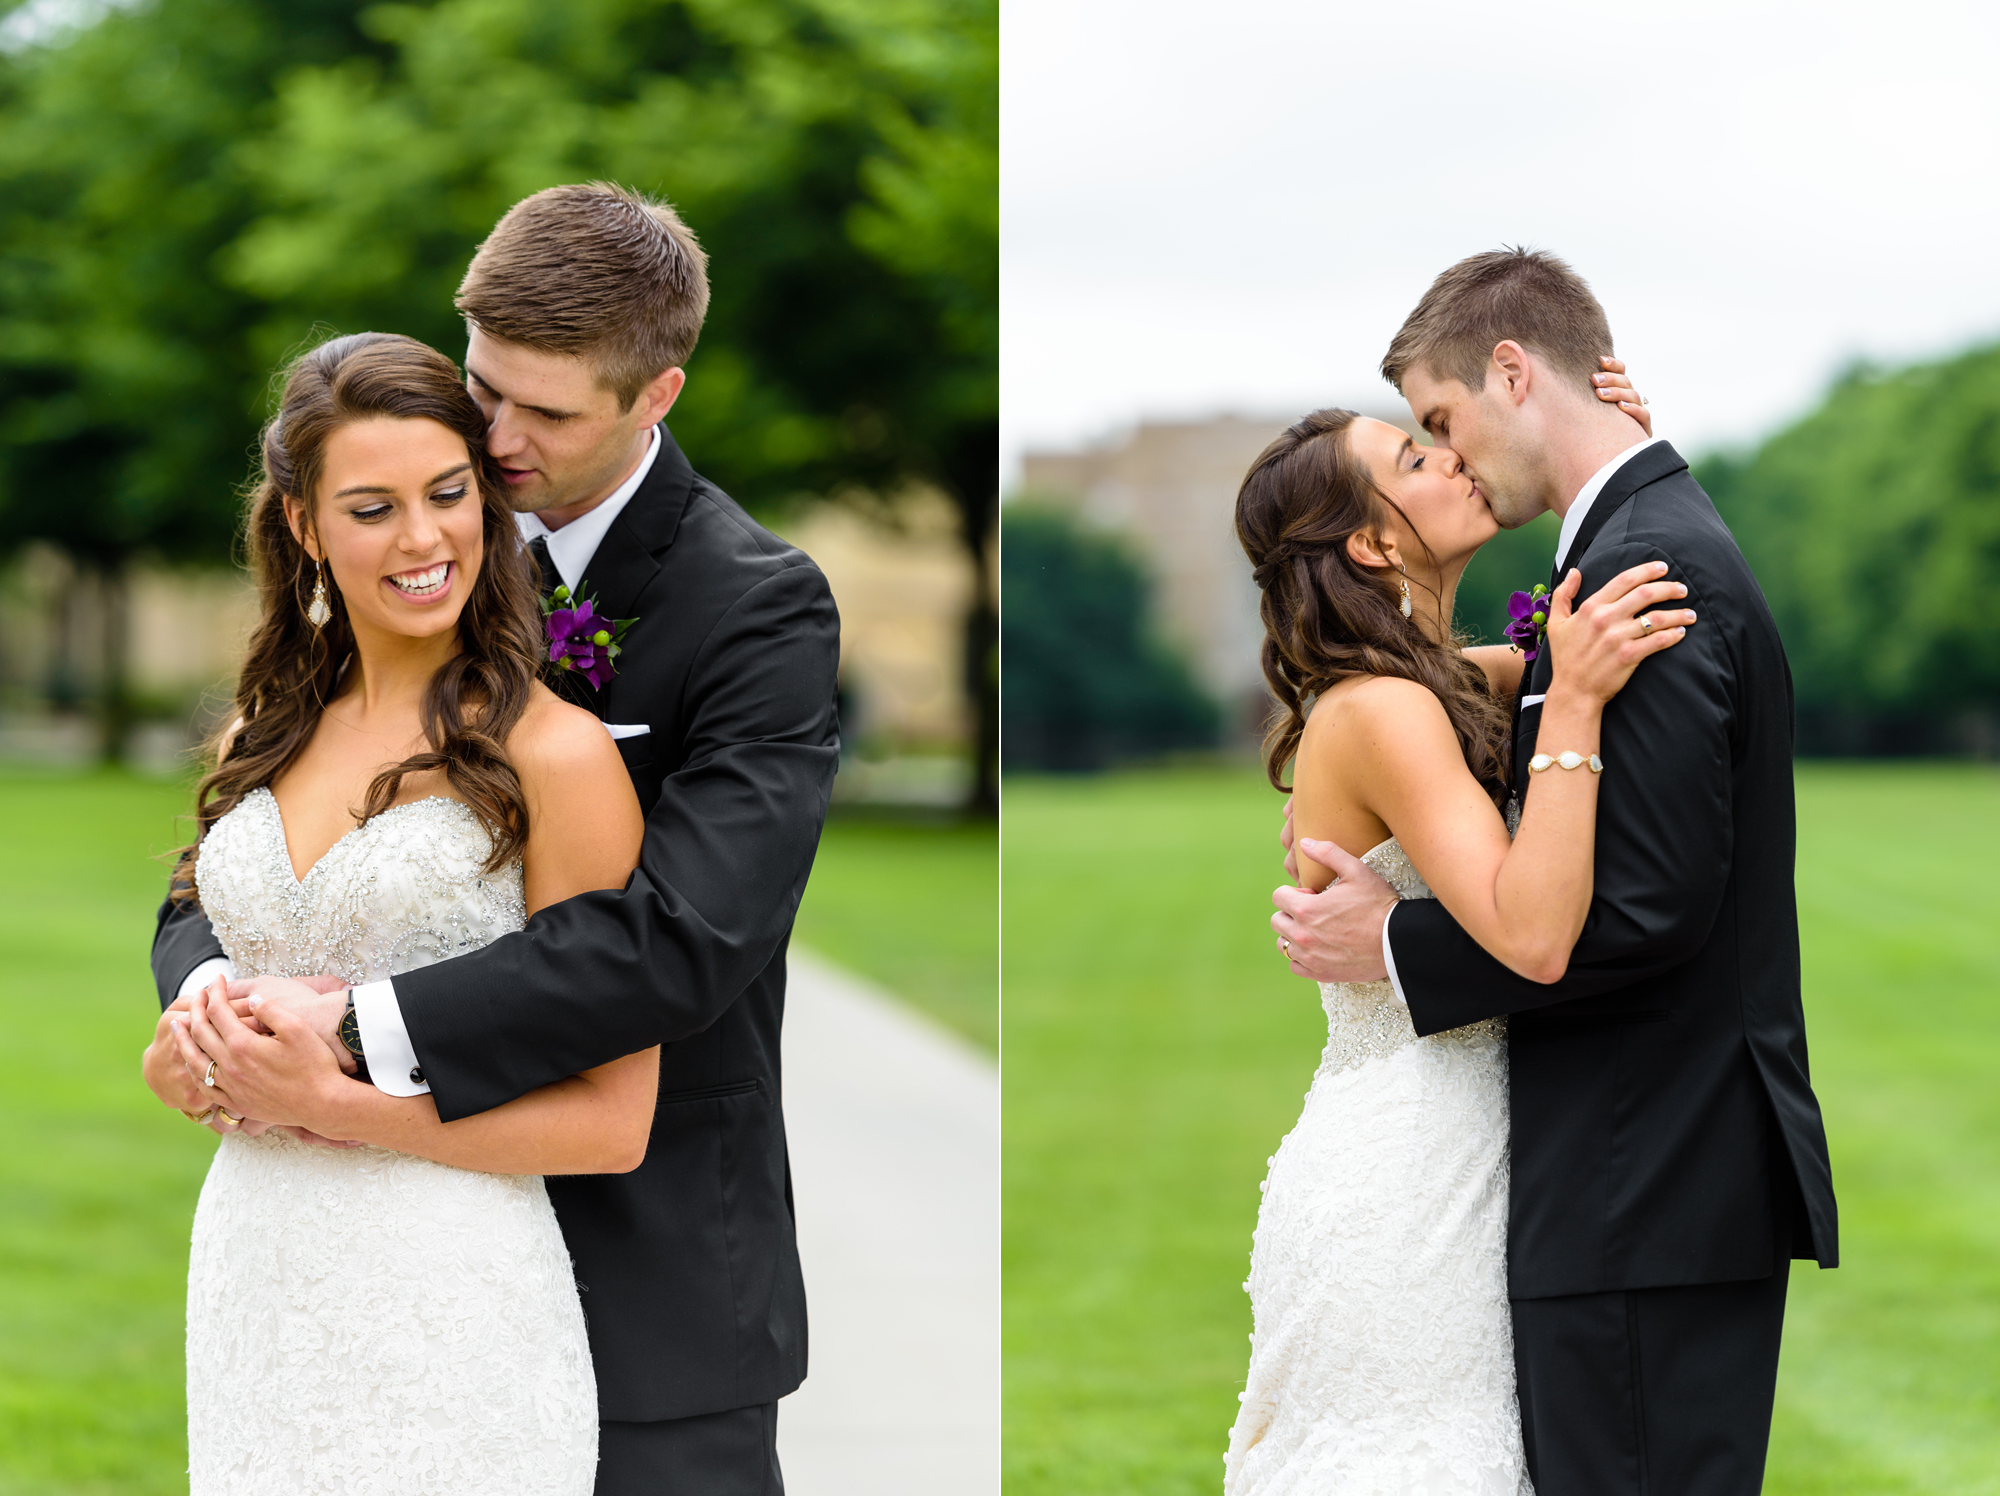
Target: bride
{"points": [[396, 1312], [1382, 1360]]}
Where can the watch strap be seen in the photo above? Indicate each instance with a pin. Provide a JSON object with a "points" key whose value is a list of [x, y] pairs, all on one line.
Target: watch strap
{"points": [[350, 1035]]}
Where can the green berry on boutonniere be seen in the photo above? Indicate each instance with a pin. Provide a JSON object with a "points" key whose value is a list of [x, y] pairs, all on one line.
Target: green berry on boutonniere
{"points": [[580, 639]]}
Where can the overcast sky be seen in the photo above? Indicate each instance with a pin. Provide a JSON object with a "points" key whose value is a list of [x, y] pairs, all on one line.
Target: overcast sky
{"points": [[1231, 207]]}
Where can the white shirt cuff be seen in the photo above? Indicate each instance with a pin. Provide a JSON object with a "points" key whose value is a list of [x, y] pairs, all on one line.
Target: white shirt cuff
{"points": [[1388, 960], [392, 1060], [207, 972]]}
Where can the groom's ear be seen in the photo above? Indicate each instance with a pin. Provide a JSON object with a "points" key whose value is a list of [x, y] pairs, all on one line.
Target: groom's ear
{"points": [[658, 397], [1512, 369]]}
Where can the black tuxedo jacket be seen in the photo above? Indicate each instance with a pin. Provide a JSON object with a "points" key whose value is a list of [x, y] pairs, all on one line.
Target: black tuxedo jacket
{"points": [[689, 1265], [1664, 1127]]}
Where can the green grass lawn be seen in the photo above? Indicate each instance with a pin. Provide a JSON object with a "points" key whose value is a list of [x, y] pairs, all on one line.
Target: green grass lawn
{"points": [[98, 1181], [912, 902], [1156, 1051]]}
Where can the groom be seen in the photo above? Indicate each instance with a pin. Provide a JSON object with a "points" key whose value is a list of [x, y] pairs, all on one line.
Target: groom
{"points": [[582, 306], [1668, 1154]]}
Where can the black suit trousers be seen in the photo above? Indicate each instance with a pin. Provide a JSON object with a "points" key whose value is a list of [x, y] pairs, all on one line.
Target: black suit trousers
{"points": [[1650, 1391], [712, 1454]]}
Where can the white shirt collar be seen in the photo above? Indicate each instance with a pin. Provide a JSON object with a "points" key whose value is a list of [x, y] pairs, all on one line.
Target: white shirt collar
{"points": [[572, 547], [1587, 495]]}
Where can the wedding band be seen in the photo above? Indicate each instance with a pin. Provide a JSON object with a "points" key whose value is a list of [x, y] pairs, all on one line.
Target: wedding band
{"points": [[198, 1118], [223, 1116], [208, 1075], [1285, 946]]}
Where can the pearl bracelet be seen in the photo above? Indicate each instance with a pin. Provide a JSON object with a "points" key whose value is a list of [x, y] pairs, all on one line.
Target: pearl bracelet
{"points": [[1571, 760]]}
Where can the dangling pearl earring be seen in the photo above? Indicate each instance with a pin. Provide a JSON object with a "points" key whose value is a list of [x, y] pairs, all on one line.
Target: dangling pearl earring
{"points": [[319, 612], [1406, 587]]}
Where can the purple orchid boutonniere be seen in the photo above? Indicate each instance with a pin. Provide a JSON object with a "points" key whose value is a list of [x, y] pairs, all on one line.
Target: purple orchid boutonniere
{"points": [[581, 640], [1529, 615]]}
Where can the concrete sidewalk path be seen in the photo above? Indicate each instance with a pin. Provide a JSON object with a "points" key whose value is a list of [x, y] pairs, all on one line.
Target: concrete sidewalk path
{"points": [[894, 1127]]}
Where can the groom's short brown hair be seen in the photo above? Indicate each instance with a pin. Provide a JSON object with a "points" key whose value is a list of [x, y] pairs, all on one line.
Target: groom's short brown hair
{"points": [[595, 271], [1526, 295]]}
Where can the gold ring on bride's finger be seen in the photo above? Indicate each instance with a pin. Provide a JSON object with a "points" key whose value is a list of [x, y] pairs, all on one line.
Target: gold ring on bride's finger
{"points": [[208, 1075], [223, 1116], [197, 1117]]}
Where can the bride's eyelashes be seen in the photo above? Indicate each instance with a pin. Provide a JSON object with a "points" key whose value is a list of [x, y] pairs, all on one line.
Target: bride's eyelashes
{"points": [[445, 498]]}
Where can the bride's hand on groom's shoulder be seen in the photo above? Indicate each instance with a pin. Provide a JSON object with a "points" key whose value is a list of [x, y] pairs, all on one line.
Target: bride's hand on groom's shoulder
{"points": [[1615, 388], [1594, 646]]}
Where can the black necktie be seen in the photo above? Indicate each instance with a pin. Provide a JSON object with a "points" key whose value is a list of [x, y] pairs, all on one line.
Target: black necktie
{"points": [[539, 549]]}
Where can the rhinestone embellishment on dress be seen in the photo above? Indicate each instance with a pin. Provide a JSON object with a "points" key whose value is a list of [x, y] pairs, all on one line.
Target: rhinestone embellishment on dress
{"points": [[397, 892], [1366, 1020]]}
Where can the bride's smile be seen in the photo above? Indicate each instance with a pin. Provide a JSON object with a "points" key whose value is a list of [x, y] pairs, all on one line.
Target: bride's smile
{"points": [[400, 526]]}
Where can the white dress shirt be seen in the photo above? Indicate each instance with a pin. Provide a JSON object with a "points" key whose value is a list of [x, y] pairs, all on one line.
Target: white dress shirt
{"points": [[575, 543], [1573, 518], [385, 1039]]}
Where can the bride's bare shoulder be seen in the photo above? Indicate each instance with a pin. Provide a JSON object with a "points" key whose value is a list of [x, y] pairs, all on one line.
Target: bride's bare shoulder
{"points": [[557, 739], [1373, 707]]}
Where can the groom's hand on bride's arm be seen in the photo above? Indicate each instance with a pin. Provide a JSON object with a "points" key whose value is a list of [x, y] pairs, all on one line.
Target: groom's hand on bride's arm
{"points": [[1334, 935]]}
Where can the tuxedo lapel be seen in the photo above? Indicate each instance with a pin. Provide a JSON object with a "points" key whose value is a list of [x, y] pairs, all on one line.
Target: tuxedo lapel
{"points": [[1656, 462], [628, 556], [1651, 465]]}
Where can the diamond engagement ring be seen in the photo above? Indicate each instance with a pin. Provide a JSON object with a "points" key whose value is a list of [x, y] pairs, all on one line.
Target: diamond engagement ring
{"points": [[208, 1075]]}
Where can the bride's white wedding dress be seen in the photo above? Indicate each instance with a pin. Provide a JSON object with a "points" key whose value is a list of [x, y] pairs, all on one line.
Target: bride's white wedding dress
{"points": [[1383, 1358], [361, 1321]]}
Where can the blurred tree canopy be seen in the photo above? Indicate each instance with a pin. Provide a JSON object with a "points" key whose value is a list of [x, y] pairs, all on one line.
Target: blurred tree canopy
{"points": [[1089, 682], [191, 189], [1874, 527]]}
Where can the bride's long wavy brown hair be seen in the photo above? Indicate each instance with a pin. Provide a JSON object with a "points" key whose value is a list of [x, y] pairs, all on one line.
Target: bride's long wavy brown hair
{"points": [[292, 669], [1327, 617]]}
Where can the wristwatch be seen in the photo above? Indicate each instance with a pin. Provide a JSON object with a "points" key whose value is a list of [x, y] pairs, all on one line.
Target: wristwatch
{"points": [[350, 1035]]}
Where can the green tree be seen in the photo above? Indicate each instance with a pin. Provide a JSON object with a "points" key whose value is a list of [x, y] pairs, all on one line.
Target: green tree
{"points": [[837, 158], [1089, 683], [1874, 527], [128, 394]]}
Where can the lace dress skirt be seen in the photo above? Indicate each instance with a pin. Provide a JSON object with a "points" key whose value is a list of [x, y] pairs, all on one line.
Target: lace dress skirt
{"points": [[363, 1322], [1382, 1362]]}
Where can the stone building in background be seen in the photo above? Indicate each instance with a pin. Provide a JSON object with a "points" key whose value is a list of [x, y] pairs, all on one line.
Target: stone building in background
{"points": [[1171, 487], [902, 587]]}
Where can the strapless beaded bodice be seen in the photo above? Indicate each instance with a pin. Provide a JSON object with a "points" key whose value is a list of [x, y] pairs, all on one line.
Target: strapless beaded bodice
{"points": [[400, 891], [1366, 1020]]}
